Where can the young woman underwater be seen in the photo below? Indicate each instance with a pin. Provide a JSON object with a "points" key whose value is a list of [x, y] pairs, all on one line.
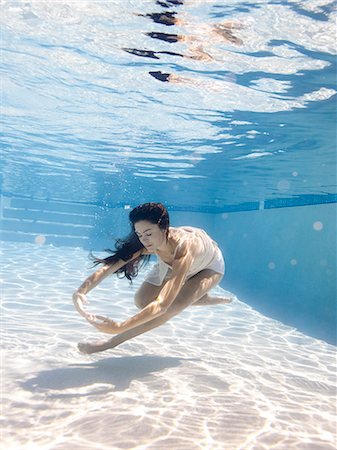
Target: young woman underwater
{"points": [[189, 265]]}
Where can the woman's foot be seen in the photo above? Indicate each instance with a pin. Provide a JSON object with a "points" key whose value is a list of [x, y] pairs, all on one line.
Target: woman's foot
{"points": [[225, 300], [208, 300]]}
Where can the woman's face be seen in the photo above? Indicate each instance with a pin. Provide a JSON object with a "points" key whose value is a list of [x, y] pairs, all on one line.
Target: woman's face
{"points": [[150, 235]]}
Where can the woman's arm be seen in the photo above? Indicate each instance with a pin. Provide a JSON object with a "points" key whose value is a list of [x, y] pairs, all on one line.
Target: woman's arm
{"points": [[158, 307], [79, 296]]}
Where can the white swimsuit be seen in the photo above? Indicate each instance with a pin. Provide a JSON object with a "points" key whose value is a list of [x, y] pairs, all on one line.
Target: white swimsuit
{"points": [[209, 258]]}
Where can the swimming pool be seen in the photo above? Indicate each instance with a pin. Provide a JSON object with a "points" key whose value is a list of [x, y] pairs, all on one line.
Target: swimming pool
{"points": [[226, 113]]}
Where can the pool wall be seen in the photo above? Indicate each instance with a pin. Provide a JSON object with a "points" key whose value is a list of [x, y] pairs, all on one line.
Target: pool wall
{"points": [[281, 261]]}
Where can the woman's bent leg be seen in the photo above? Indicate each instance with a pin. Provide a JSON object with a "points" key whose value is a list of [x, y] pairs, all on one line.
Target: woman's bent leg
{"points": [[146, 294]]}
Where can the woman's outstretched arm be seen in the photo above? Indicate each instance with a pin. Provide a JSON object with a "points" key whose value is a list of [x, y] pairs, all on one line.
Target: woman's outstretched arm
{"points": [[79, 296]]}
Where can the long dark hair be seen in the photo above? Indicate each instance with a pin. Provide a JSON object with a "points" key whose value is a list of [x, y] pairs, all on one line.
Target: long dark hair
{"points": [[155, 213]]}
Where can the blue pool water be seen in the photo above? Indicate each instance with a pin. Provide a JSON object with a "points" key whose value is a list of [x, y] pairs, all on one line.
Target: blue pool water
{"points": [[225, 112]]}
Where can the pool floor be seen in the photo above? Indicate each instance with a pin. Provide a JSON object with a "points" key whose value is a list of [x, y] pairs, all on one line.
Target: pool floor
{"points": [[217, 377]]}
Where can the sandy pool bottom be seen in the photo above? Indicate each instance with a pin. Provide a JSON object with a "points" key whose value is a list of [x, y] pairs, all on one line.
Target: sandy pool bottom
{"points": [[217, 378]]}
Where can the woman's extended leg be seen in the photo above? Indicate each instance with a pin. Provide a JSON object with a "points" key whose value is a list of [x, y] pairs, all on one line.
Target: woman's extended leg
{"points": [[194, 289]]}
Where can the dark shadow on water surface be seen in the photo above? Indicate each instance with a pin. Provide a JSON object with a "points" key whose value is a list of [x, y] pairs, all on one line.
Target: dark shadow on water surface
{"points": [[118, 372]]}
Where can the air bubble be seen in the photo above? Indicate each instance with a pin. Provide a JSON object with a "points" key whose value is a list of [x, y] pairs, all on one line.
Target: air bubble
{"points": [[318, 226], [271, 265], [293, 262], [40, 239], [283, 185]]}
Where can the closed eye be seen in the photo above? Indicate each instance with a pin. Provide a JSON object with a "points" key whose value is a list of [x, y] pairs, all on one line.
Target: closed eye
{"points": [[147, 235]]}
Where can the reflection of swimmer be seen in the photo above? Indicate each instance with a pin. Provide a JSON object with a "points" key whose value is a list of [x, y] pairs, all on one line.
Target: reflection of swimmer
{"points": [[162, 76], [194, 51], [217, 32], [172, 78], [198, 53], [170, 38], [222, 32], [200, 47], [149, 53], [225, 30], [213, 85], [166, 18], [200, 38], [189, 265], [169, 3]]}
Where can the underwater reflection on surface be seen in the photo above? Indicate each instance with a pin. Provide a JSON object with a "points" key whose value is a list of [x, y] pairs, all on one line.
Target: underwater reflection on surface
{"points": [[121, 99]]}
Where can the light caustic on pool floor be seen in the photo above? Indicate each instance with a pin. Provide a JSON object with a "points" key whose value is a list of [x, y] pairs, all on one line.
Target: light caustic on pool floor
{"points": [[221, 377]]}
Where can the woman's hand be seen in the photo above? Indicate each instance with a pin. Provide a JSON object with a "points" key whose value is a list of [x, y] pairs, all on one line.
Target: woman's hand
{"points": [[104, 324], [79, 301]]}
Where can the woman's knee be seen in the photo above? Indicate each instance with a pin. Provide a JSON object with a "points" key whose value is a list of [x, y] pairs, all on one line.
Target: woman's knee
{"points": [[146, 294], [140, 301]]}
